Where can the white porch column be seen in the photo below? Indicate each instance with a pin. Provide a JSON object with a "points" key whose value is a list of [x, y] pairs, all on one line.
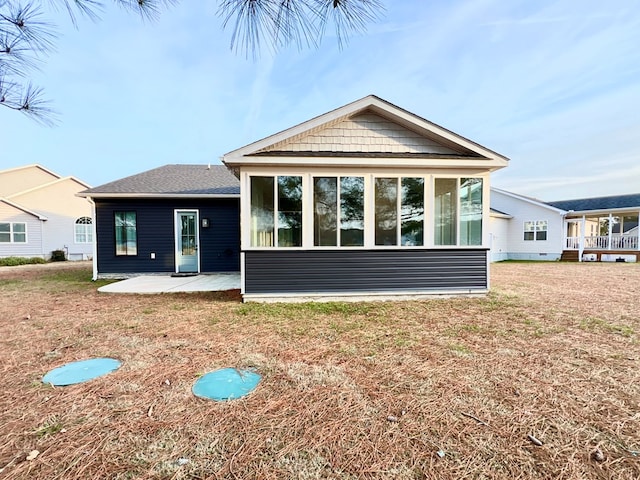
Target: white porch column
{"points": [[610, 230], [583, 226]]}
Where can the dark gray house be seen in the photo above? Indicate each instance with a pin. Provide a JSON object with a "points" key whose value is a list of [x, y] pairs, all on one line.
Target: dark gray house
{"points": [[172, 219], [366, 201]]}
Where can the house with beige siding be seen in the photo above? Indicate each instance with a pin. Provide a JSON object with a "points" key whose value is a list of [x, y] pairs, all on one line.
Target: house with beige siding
{"points": [[40, 212]]}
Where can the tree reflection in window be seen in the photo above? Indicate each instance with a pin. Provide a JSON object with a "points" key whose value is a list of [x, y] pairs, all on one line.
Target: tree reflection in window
{"points": [[290, 211], [351, 211], [412, 212], [470, 211]]}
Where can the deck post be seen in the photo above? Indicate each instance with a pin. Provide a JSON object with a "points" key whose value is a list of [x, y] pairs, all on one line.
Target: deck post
{"points": [[583, 226]]}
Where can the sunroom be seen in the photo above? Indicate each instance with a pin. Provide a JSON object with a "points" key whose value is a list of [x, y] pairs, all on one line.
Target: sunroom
{"points": [[367, 201]]}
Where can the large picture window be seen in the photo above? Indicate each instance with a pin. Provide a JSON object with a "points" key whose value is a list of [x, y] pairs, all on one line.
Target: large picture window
{"points": [[83, 230], [446, 211], [395, 211], [535, 230], [283, 204], [343, 225], [126, 233], [470, 211], [13, 232]]}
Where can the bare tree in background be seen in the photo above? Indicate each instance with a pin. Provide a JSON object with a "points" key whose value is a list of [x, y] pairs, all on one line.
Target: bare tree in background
{"points": [[27, 35]]}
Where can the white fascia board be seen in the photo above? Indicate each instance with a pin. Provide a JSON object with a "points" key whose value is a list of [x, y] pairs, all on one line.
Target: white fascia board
{"points": [[31, 165], [155, 195], [382, 107], [392, 162], [25, 210], [530, 200]]}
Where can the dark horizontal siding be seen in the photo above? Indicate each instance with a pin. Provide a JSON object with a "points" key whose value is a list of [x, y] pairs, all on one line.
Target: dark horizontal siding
{"points": [[360, 271], [219, 244]]}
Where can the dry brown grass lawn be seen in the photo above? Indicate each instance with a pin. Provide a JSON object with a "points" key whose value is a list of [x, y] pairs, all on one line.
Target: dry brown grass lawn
{"points": [[423, 389]]}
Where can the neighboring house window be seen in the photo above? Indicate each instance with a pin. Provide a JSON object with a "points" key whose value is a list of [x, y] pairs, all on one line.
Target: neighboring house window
{"points": [[276, 198], [13, 232], [535, 230], [126, 234], [84, 230]]}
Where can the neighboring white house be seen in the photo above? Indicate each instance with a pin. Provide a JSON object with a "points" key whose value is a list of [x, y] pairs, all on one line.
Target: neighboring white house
{"points": [[40, 212], [527, 229], [588, 229]]}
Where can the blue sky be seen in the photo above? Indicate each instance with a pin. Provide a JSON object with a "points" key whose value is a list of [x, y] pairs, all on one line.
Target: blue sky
{"points": [[554, 86]]}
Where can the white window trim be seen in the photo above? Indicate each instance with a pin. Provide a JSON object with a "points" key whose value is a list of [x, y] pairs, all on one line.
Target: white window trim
{"points": [[88, 231], [12, 232], [535, 230], [369, 207]]}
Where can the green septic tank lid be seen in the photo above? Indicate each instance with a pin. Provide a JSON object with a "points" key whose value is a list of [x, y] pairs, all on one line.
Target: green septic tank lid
{"points": [[226, 384], [81, 371]]}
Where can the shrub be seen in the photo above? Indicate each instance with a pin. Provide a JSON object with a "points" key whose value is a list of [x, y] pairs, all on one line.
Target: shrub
{"points": [[14, 261], [58, 256]]}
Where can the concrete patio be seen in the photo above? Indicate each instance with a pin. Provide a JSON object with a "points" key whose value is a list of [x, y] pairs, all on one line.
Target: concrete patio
{"points": [[172, 284]]}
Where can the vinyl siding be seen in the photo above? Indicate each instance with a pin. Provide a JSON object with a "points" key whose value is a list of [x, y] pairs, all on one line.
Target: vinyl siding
{"points": [[33, 247], [523, 211], [340, 271], [219, 244]]}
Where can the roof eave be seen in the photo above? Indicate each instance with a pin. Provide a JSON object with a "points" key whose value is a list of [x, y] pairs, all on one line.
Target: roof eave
{"points": [[157, 195]]}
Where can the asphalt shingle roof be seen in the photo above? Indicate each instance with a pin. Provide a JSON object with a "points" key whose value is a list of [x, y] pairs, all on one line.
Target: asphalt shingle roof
{"points": [[175, 180], [599, 203]]}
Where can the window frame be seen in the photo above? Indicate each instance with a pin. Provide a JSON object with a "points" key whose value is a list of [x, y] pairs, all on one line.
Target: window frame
{"points": [[535, 230], [12, 232], [126, 241], [369, 176], [87, 230]]}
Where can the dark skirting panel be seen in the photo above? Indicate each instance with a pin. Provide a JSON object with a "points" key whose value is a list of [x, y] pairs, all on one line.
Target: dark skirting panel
{"points": [[281, 271]]}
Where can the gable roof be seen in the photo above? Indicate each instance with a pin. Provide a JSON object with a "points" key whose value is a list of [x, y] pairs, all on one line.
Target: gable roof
{"points": [[176, 180], [25, 210], [531, 200], [599, 203], [26, 177], [47, 185], [328, 140]]}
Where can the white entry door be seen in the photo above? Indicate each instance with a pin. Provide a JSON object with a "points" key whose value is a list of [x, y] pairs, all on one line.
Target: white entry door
{"points": [[187, 256]]}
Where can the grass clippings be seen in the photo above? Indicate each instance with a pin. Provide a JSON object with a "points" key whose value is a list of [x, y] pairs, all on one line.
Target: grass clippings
{"points": [[448, 389]]}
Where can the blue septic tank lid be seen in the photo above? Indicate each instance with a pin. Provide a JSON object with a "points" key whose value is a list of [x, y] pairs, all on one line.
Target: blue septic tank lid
{"points": [[78, 372], [226, 384]]}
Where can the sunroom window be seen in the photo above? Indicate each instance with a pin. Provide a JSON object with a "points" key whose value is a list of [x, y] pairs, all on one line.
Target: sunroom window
{"points": [[458, 211], [342, 226], [276, 198], [399, 211]]}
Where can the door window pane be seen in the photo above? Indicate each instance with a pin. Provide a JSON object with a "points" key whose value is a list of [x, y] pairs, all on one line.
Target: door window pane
{"points": [[386, 211], [412, 212], [445, 205], [188, 234], [325, 211], [290, 211], [262, 211], [352, 211], [471, 211]]}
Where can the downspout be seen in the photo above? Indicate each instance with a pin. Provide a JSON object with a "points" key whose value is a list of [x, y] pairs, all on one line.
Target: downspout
{"points": [[94, 260]]}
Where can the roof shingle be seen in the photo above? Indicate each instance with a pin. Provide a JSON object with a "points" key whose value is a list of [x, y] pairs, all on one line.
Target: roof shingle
{"points": [[177, 179]]}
